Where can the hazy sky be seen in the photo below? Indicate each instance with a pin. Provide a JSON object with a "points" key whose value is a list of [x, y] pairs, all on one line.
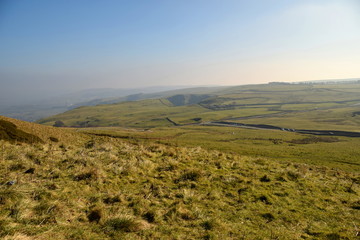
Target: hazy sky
{"points": [[47, 45]]}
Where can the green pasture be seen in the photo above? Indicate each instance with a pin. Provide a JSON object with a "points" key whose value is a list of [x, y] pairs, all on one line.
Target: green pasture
{"points": [[330, 103], [146, 114], [341, 119]]}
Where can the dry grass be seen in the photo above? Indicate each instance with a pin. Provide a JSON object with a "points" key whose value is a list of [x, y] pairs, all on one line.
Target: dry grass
{"points": [[45, 132], [110, 189]]}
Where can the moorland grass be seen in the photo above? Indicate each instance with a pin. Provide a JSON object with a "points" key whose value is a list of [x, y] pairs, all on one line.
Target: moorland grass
{"points": [[335, 152], [105, 188]]}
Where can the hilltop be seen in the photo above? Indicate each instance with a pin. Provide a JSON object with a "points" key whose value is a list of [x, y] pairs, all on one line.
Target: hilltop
{"points": [[96, 187]]}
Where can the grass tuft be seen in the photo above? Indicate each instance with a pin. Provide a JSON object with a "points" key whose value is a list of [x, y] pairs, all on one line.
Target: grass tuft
{"points": [[123, 224]]}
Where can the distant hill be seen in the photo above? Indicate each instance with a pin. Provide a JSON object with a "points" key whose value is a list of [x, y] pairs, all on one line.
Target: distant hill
{"points": [[187, 99], [204, 105], [156, 95], [33, 110]]}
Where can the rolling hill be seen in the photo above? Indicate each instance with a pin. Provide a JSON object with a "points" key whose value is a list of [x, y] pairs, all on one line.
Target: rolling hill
{"points": [[294, 114], [335, 103], [32, 109]]}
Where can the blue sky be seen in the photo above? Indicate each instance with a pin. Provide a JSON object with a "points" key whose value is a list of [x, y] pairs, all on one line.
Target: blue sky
{"points": [[63, 45]]}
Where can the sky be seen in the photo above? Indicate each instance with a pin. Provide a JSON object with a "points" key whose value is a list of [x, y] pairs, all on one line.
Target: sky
{"points": [[52, 46]]}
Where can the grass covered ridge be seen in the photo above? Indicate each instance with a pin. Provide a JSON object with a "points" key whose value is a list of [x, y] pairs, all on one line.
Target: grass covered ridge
{"points": [[315, 106], [10, 132], [105, 188], [38, 132]]}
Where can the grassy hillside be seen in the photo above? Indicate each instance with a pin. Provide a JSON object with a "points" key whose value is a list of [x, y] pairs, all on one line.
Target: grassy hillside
{"points": [[337, 152], [92, 187], [294, 106], [342, 118], [10, 132], [155, 95], [145, 114], [44, 133], [292, 103], [33, 110], [187, 99]]}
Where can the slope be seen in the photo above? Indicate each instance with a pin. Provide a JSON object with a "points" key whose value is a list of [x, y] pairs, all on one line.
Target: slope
{"points": [[110, 189], [9, 132], [37, 132]]}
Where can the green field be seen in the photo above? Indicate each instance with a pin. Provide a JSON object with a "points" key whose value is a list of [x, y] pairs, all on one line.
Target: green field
{"points": [[145, 114], [299, 102]]}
